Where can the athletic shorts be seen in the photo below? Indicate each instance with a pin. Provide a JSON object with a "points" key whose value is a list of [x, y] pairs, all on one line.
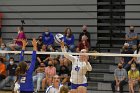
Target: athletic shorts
{"points": [[75, 86], [26, 91]]}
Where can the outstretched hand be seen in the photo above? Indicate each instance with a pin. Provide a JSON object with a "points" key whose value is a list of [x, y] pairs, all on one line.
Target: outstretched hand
{"points": [[62, 44], [24, 44], [34, 43]]}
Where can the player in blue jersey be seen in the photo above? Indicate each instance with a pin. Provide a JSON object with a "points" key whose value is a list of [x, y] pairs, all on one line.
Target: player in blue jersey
{"points": [[24, 72]]}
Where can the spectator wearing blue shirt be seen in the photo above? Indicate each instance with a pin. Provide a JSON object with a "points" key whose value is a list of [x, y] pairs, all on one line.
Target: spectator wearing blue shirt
{"points": [[47, 38], [24, 72], [131, 37], [69, 39]]}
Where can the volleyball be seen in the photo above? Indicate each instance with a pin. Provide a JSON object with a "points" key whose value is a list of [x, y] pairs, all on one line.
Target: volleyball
{"points": [[58, 38]]}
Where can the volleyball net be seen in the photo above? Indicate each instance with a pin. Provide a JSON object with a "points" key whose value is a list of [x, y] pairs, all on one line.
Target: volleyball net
{"points": [[72, 53], [93, 55]]}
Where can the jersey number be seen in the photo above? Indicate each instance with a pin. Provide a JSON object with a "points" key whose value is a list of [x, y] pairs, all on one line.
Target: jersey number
{"points": [[23, 79], [77, 68]]}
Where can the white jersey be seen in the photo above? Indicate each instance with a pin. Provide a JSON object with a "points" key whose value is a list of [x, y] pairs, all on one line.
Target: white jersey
{"points": [[79, 69], [51, 89]]}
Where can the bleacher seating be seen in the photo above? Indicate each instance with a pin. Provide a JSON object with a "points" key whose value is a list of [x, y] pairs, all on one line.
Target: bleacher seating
{"points": [[58, 14]]}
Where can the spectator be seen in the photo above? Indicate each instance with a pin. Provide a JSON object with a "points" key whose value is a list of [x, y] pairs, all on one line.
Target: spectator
{"points": [[17, 45], [133, 77], [64, 61], [83, 44], [69, 39], [5, 56], [54, 58], [64, 74], [139, 82], [50, 71], [42, 57], [131, 37], [56, 85], [39, 43], [127, 61], [86, 33], [137, 59], [2, 70], [120, 75], [40, 74], [11, 77], [48, 38]]}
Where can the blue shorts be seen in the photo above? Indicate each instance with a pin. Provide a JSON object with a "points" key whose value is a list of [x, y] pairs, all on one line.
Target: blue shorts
{"points": [[75, 86]]}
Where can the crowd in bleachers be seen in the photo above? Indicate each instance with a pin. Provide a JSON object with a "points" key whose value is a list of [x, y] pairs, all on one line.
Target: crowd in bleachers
{"points": [[128, 68], [47, 67]]}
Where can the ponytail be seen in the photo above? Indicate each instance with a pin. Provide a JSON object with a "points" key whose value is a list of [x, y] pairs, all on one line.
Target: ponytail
{"points": [[21, 69]]}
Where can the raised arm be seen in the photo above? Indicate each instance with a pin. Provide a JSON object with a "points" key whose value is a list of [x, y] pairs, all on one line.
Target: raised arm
{"points": [[32, 65], [88, 65], [68, 56], [24, 44]]}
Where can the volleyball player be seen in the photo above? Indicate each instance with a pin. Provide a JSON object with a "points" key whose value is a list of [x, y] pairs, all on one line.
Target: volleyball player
{"points": [[80, 66], [16, 85], [24, 72], [56, 85]]}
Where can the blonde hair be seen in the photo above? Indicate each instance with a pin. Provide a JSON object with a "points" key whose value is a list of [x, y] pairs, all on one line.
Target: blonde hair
{"points": [[64, 89]]}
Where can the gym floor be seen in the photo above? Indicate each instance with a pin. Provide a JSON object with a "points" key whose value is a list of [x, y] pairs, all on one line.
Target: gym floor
{"points": [[5, 91]]}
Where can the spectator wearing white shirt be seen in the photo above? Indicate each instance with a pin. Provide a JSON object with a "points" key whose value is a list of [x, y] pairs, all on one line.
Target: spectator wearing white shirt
{"points": [[137, 59]]}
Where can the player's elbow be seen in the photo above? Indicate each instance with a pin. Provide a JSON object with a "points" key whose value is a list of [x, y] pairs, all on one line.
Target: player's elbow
{"points": [[89, 69]]}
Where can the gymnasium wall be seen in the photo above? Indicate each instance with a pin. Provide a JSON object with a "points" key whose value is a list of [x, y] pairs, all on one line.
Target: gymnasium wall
{"points": [[55, 14], [132, 14]]}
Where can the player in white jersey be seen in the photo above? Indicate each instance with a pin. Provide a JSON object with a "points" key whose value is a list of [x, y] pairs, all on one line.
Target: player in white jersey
{"points": [[55, 87], [80, 66]]}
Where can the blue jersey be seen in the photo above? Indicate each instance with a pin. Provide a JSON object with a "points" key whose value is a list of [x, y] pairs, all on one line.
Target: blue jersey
{"points": [[21, 56], [26, 81]]}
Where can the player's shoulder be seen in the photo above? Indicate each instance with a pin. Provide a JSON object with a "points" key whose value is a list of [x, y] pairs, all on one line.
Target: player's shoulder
{"points": [[76, 57], [49, 89]]}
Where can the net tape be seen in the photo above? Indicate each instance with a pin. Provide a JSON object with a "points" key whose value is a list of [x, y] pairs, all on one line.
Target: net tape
{"points": [[63, 53]]}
